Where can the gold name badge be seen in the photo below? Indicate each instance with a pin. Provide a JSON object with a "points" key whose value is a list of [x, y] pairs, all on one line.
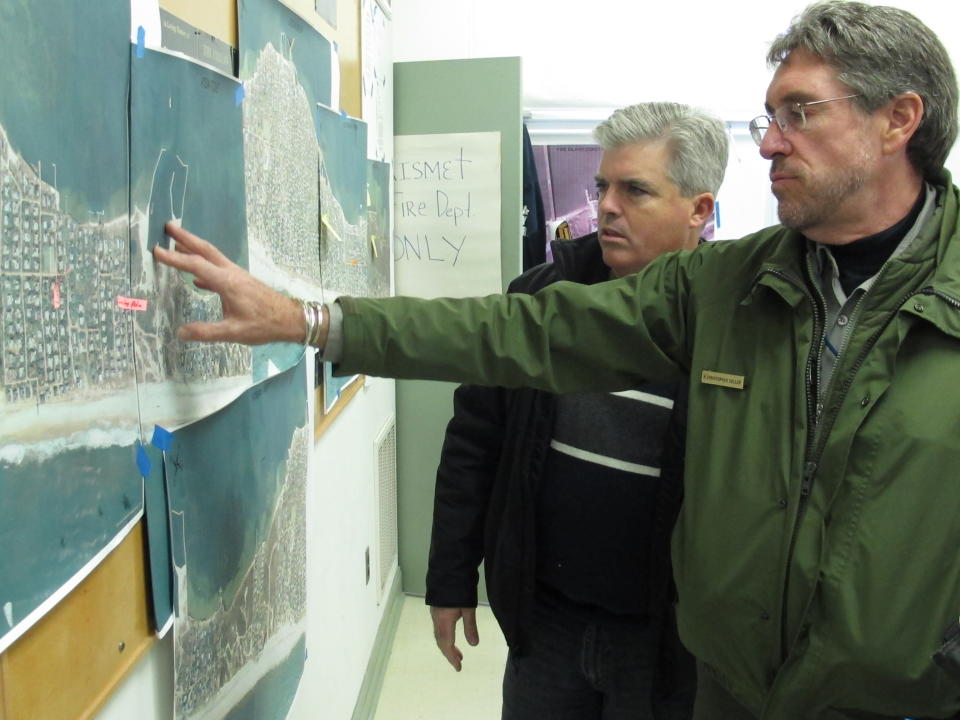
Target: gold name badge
{"points": [[709, 377]]}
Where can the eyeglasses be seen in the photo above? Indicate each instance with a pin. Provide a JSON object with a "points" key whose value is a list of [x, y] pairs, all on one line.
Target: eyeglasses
{"points": [[788, 117]]}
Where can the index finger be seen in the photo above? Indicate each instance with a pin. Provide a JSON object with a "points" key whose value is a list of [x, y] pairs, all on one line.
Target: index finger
{"points": [[445, 633], [196, 265], [195, 244]]}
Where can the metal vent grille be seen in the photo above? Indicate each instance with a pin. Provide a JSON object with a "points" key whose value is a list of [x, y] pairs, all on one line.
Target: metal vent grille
{"points": [[385, 455]]}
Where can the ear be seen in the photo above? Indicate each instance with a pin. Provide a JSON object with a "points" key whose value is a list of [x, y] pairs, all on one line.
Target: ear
{"points": [[901, 118], [701, 209]]}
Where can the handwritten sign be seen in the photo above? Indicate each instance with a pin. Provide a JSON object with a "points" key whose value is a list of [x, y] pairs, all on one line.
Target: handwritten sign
{"points": [[447, 214], [125, 303]]}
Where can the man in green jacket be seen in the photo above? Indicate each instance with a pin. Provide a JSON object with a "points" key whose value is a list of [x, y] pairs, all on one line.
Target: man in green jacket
{"points": [[816, 553]]}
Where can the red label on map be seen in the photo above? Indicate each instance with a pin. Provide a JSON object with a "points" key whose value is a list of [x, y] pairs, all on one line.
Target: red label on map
{"points": [[126, 303]]}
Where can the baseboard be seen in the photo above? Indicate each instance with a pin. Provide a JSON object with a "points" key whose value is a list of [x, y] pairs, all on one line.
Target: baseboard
{"points": [[377, 666]]}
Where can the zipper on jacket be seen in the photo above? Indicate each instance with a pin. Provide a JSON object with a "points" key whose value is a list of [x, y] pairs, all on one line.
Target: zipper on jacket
{"points": [[814, 413], [930, 290], [813, 456], [814, 410]]}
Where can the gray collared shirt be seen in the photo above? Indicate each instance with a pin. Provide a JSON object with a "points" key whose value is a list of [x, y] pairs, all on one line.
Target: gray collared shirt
{"points": [[842, 309]]}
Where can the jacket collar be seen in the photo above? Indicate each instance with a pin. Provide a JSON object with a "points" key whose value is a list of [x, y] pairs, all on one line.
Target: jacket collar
{"points": [[946, 279], [938, 242], [580, 260], [782, 268], [942, 304]]}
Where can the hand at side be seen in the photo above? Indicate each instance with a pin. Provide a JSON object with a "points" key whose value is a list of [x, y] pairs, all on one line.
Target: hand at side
{"points": [[445, 631]]}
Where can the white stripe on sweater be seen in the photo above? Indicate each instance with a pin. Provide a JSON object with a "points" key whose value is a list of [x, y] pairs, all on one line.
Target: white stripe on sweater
{"points": [[645, 397], [609, 462]]}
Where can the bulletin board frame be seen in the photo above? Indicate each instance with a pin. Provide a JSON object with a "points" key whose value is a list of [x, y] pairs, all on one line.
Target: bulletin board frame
{"points": [[67, 664]]}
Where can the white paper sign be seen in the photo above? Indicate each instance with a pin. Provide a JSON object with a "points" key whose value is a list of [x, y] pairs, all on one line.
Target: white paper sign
{"points": [[446, 239], [376, 79], [145, 14]]}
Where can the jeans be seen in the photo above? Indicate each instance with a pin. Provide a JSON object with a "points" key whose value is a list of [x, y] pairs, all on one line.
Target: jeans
{"points": [[578, 669]]}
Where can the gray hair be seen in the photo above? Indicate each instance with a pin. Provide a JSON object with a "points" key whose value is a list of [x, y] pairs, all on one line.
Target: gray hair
{"points": [[880, 52], [697, 140]]}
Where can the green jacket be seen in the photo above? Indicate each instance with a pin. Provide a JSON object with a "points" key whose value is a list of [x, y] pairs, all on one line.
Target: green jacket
{"points": [[816, 571]]}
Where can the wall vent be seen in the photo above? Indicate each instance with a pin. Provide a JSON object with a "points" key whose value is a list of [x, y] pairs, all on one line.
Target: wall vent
{"points": [[385, 462]]}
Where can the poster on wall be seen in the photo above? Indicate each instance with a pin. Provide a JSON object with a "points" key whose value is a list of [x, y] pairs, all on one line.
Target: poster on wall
{"points": [[70, 489], [378, 226], [446, 239], [376, 79], [568, 181], [237, 483], [187, 170], [286, 71], [345, 253], [348, 260]]}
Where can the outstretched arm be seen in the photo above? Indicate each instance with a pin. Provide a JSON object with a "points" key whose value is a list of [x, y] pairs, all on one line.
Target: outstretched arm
{"points": [[253, 313], [551, 341]]}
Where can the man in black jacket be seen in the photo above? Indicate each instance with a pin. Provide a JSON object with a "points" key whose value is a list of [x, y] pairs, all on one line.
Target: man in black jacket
{"points": [[570, 500]]}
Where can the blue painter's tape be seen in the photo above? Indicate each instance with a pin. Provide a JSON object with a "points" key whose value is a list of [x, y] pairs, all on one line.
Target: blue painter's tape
{"points": [[716, 210], [141, 39], [143, 462], [343, 114], [239, 95], [162, 438]]}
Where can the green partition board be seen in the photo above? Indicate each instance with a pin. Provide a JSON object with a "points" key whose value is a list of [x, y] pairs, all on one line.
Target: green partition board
{"points": [[450, 96]]}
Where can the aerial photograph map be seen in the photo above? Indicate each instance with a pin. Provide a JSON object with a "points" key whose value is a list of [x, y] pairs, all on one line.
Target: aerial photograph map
{"points": [[69, 485], [187, 169], [103, 409], [285, 68], [238, 508]]}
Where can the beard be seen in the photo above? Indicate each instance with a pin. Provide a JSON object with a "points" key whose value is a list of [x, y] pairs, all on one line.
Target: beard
{"points": [[821, 197]]}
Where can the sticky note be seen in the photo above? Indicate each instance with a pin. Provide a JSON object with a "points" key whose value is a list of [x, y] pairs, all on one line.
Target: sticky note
{"points": [[325, 221]]}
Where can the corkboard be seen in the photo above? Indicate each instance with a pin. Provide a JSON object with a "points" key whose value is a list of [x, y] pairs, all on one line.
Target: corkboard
{"points": [[219, 18], [348, 43], [322, 420], [67, 664]]}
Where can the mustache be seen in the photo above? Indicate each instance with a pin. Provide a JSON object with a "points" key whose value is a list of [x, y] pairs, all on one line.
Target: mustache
{"points": [[778, 165]]}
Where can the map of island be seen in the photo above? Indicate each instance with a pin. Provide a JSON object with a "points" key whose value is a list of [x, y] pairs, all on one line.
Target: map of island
{"points": [[238, 495], [185, 168]]}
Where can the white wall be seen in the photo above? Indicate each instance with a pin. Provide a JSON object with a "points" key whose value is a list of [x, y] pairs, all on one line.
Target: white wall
{"points": [[583, 60], [609, 53], [343, 613]]}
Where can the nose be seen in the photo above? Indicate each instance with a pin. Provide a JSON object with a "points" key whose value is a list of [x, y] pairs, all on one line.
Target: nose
{"points": [[773, 142], [607, 203]]}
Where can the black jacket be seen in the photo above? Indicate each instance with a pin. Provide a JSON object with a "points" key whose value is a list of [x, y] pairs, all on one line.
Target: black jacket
{"points": [[490, 468]]}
